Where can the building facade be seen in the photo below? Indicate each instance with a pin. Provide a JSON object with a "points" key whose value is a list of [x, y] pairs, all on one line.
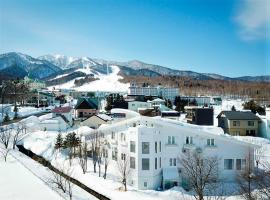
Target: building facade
{"points": [[155, 147], [159, 91]]}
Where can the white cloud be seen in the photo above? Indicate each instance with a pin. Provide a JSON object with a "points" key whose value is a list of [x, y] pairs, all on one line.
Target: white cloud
{"points": [[253, 17]]}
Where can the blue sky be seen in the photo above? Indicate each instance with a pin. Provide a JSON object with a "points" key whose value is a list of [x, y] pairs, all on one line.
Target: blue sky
{"points": [[228, 37]]}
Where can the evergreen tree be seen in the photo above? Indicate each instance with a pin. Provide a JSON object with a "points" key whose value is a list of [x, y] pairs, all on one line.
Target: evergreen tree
{"points": [[254, 107], [233, 108], [71, 141], [59, 141], [109, 103]]}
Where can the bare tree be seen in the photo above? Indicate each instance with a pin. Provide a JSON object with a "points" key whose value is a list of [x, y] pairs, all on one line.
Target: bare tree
{"points": [[5, 136], [200, 172], [62, 178], [4, 152], [59, 181], [263, 181], [124, 170], [246, 179], [83, 156], [20, 131], [106, 160], [95, 148]]}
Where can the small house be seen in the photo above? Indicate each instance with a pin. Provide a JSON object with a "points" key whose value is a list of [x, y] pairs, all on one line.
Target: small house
{"points": [[243, 123], [86, 107]]}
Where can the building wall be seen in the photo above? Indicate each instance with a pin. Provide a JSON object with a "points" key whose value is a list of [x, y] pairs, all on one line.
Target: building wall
{"points": [[86, 112], [134, 105], [243, 127]]}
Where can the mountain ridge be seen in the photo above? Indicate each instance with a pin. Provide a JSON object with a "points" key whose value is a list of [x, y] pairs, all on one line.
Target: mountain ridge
{"points": [[54, 65]]}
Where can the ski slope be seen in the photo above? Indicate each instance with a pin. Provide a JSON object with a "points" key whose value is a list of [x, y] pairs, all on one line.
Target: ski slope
{"points": [[106, 83]]}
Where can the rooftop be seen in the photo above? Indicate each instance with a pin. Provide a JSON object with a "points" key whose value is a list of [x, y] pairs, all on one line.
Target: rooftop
{"points": [[61, 109], [239, 115]]}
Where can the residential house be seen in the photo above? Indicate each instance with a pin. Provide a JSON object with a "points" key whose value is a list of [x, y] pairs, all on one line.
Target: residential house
{"points": [[199, 115], [86, 107], [155, 147], [96, 120], [243, 123]]}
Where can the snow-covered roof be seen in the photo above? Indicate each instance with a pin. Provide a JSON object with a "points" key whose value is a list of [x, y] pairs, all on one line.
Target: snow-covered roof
{"points": [[158, 100], [104, 117], [61, 109]]}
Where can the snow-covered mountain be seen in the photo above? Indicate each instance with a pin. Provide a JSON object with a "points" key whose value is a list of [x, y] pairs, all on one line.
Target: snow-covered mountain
{"points": [[63, 68], [19, 65], [66, 62]]}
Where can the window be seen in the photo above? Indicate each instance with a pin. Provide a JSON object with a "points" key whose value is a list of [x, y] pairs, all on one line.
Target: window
{"points": [[145, 184], [155, 147], [123, 156], [159, 162], [210, 142], [236, 123], [155, 163], [132, 162], [250, 123], [114, 154], [145, 148], [145, 163], [228, 164], [189, 140], [171, 140], [132, 146], [123, 137], [240, 164], [174, 162], [159, 146]]}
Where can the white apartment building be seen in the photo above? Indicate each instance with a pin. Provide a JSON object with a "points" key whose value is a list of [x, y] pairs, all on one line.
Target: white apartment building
{"points": [[154, 147], [159, 91]]}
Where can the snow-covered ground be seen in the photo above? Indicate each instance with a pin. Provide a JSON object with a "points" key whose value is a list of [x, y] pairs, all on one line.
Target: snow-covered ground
{"points": [[23, 178], [107, 82], [42, 143], [24, 111], [17, 183]]}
